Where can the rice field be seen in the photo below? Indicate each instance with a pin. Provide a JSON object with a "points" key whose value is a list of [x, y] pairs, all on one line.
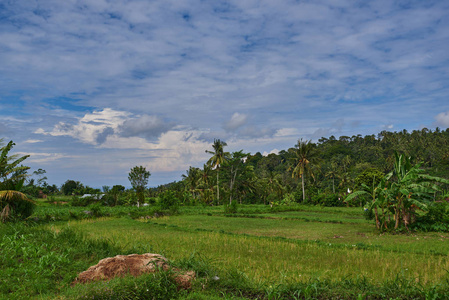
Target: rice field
{"points": [[304, 252], [283, 250]]}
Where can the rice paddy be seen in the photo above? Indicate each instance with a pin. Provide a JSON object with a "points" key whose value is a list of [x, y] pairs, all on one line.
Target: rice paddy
{"points": [[259, 253]]}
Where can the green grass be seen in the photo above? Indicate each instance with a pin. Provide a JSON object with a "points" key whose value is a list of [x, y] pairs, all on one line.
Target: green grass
{"points": [[272, 258], [304, 252]]}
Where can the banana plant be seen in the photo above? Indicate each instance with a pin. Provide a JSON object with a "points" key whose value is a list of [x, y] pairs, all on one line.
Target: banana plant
{"points": [[400, 193]]}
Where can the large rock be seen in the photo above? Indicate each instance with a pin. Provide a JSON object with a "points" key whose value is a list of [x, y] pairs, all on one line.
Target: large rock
{"points": [[135, 265]]}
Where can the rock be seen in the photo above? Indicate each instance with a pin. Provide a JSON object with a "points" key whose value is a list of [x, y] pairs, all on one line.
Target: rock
{"points": [[135, 265]]}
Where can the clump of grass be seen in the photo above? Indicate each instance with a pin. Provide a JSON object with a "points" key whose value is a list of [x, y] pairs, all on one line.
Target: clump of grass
{"points": [[158, 286], [36, 261]]}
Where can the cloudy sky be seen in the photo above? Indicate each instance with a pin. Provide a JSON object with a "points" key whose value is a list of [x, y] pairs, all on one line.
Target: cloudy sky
{"points": [[92, 88]]}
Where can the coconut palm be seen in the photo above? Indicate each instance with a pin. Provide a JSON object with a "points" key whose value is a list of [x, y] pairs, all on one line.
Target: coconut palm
{"points": [[192, 179], [332, 173], [303, 154], [217, 159]]}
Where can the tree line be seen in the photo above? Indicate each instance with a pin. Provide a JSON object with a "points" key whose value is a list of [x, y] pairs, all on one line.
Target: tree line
{"points": [[325, 171]]}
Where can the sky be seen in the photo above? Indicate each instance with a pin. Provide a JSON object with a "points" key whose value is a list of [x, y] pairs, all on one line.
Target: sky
{"points": [[90, 89]]}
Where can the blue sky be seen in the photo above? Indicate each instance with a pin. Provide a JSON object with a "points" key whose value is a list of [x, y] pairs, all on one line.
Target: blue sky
{"points": [[92, 88]]}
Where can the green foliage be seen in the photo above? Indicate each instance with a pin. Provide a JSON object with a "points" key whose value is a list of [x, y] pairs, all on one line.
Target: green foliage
{"points": [[329, 200], [83, 201], [231, 208], [36, 261], [95, 209], [69, 187], [289, 199], [400, 194], [217, 159], [303, 156], [369, 177], [11, 172], [138, 177], [168, 201], [436, 218], [157, 286], [15, 205]]}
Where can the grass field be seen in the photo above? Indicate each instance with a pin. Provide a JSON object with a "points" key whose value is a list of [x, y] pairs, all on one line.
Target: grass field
{"points": [[305, 253]]}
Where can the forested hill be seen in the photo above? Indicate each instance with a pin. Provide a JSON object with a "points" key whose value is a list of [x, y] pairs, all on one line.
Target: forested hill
{"points": [[334, 165]]}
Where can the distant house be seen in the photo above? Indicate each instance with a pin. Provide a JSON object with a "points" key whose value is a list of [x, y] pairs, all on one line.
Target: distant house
{"points": [[95, 196]]}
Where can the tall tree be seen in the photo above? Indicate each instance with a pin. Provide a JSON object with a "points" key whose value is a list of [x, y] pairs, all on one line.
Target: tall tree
{"points": [[139, 179], [331, 173], [217, 159], [192, 180], [303, 154], [236, 166]]}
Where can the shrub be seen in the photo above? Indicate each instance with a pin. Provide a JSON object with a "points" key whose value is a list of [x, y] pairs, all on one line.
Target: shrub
{"points": [[96, 210], [329, 200], [15, 205], [436, 219], [168, 200], [231, 208], [79, 201], [289, 199]]}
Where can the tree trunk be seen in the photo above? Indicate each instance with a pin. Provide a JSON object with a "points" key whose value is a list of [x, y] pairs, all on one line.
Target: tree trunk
{"points": [[303, 191], [218, 190], [377, 218]]}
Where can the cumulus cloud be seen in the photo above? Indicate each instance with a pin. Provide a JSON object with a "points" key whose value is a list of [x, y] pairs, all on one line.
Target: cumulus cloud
{"points": [[97, 127], [237, 120], [145, 126], [442, 119], [92, 128]]}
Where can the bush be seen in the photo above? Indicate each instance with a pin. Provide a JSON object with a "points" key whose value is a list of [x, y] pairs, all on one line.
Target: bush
{"points": [[436, 219], [328, 200], [96, 210], [78, 201], [168, 200], [15, 206], [231, 208], [288, 200]]}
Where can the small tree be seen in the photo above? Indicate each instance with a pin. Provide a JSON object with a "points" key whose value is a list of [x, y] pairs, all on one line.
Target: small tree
{"points": [[139, 179], [116, 191]]}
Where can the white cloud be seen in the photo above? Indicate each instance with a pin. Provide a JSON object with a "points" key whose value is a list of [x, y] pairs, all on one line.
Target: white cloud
{"points": [[43, 158], [33, 141], [123, 128], [442, 119], [274, 151], [259, 74], [91, 127], [237, 120]]}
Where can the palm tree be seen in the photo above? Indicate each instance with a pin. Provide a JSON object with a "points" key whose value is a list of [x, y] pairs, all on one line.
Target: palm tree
{"points": [[10, 170], [331, 173], [217, 159], [303, 153], [12, 177], [10, 200], [192, 179]]}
